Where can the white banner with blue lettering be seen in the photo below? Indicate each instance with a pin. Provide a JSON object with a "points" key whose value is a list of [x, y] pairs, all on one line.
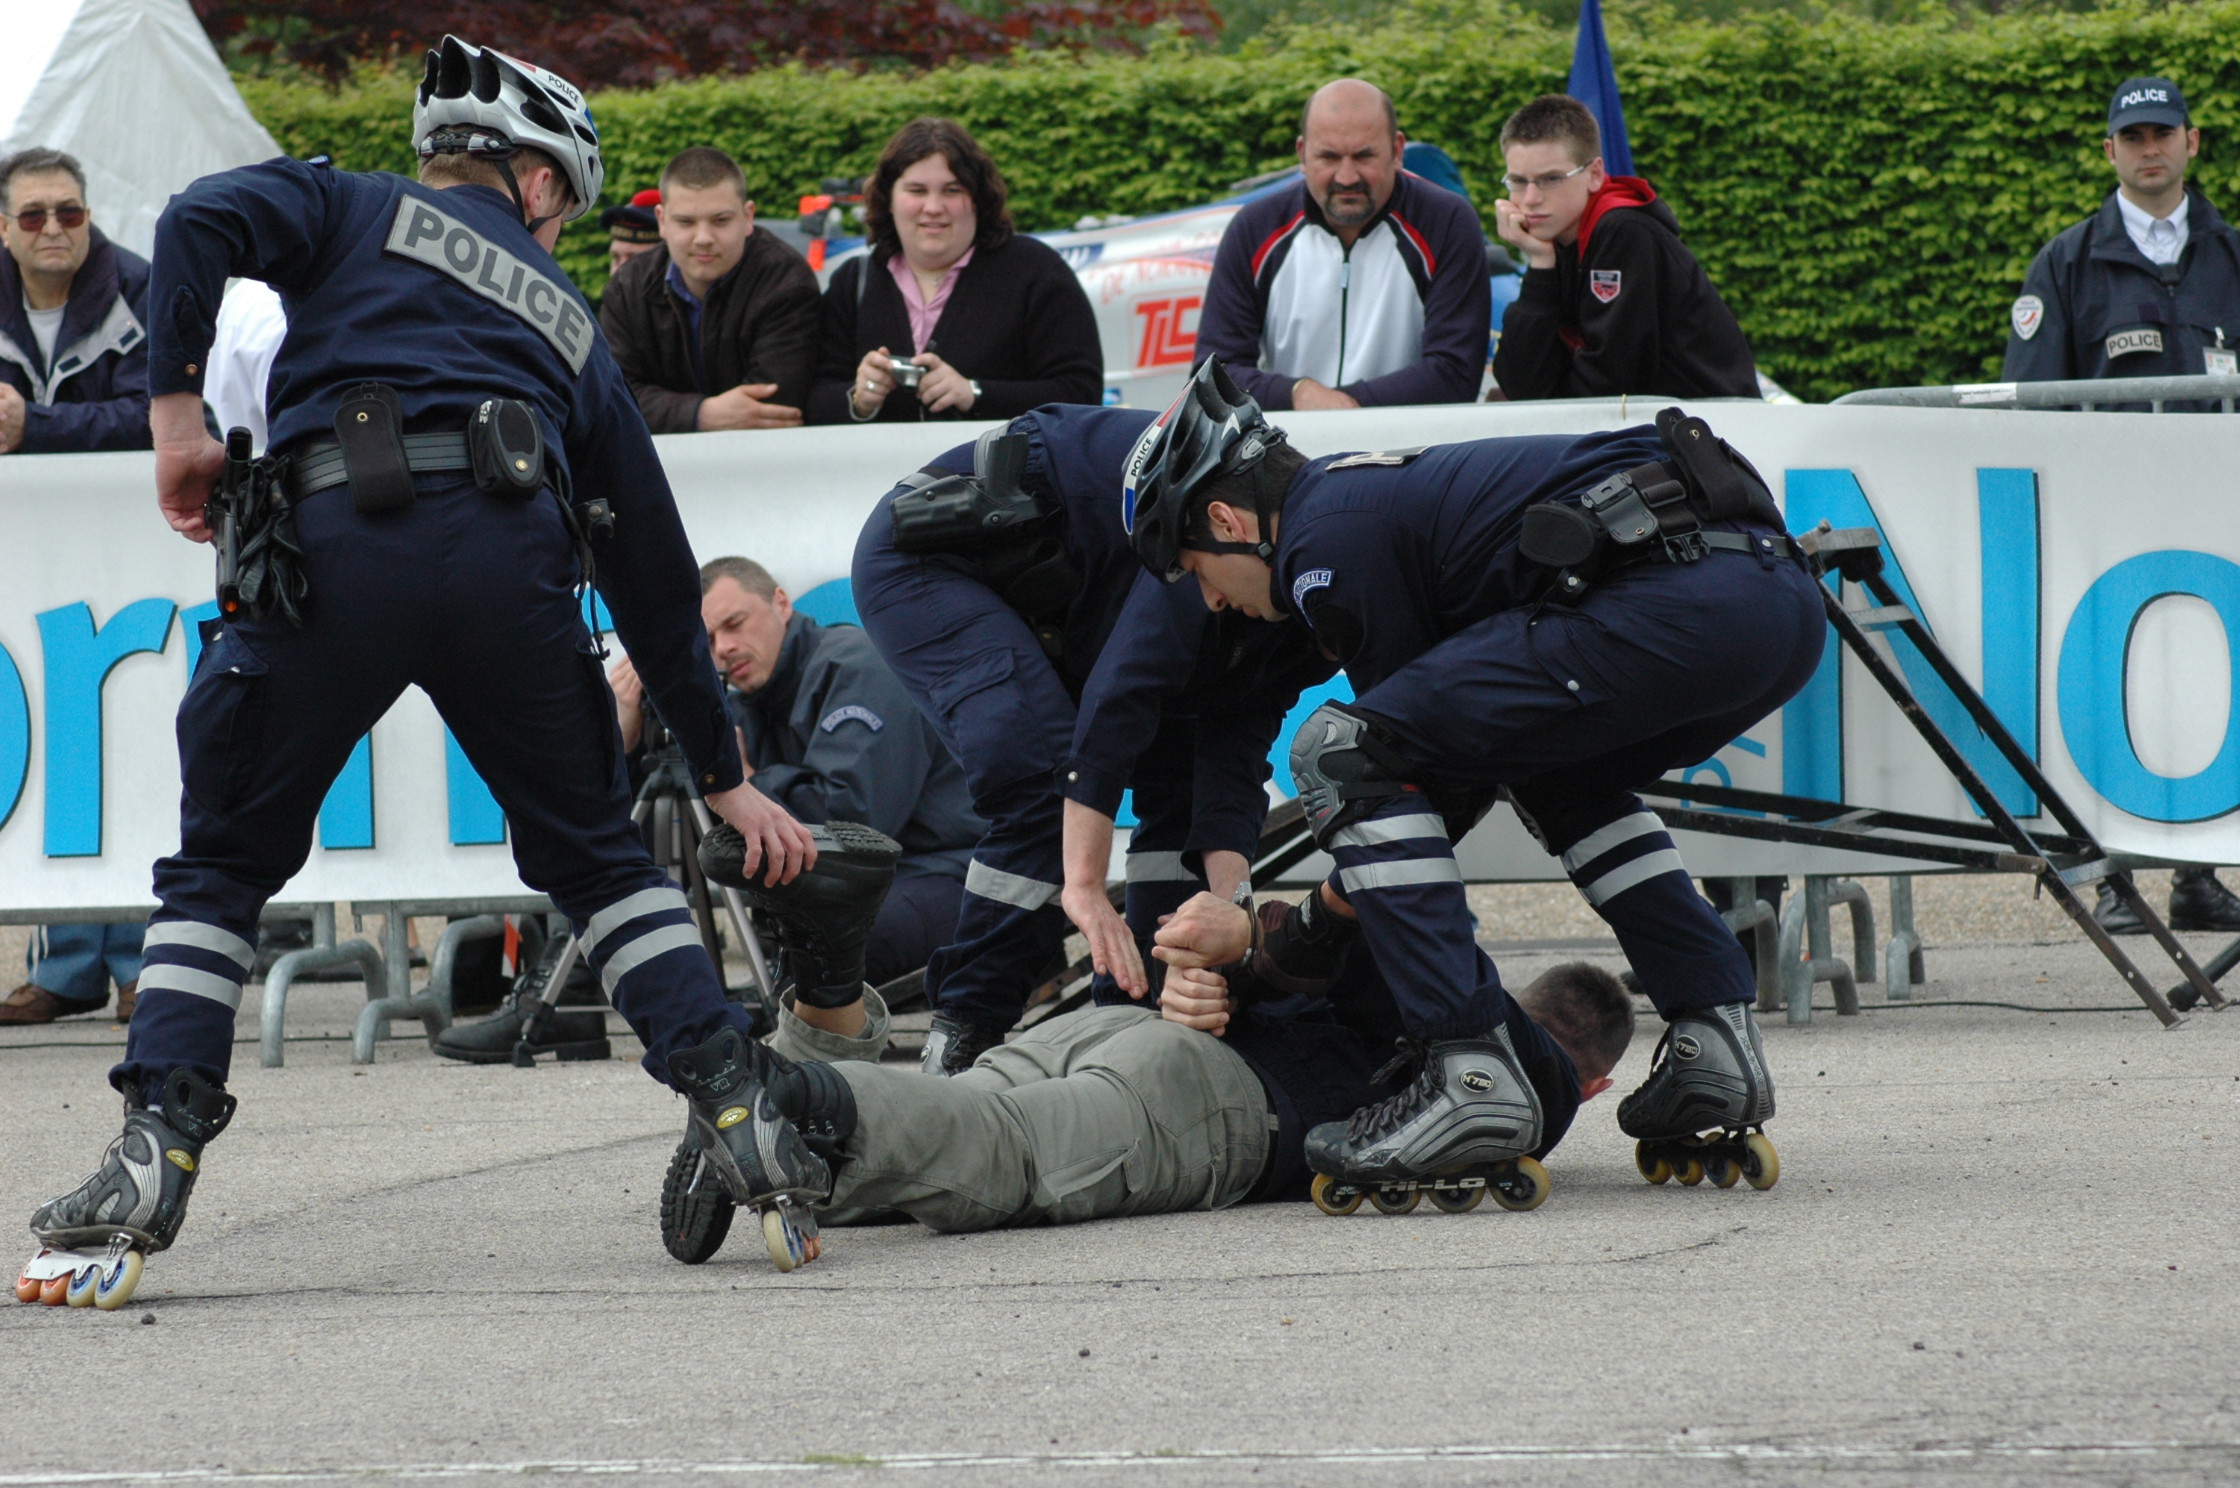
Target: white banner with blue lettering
{"points": [[2084, 567]]}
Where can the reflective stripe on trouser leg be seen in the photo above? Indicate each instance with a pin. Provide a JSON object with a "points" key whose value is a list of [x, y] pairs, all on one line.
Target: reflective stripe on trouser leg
{"points": [[190, 990], [655, 969], [1398, 872], [1631, 873], [1010, 927]]}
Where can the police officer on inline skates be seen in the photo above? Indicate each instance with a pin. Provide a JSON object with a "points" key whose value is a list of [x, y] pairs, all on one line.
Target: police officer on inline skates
{"points": [[1554, 619], [449, 427]]}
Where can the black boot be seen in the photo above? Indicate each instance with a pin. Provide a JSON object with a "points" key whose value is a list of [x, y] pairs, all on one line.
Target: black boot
{"points": [[2199, 902], [952, 1045], [2115, 916], [571, 1036], [824, 916]]}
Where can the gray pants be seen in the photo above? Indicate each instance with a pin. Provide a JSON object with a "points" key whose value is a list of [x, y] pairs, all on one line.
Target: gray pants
{"points": [[1103, 1112]]}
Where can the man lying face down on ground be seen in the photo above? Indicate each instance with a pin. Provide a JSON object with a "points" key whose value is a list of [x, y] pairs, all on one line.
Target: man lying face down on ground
{"points": [[1109, 1111]]}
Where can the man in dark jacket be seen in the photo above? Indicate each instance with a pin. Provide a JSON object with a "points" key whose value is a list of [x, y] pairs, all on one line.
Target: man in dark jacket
{"points": [[717, 327], [1361, 286], [1612, 302], [73, 317], [73, 376], [2148, 286]]}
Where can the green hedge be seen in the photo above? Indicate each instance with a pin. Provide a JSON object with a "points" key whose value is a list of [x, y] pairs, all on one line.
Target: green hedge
{"points": [[1866, 197]]}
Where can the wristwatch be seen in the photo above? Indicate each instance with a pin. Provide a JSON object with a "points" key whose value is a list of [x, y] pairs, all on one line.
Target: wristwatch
{"points": [[1242, 899]]}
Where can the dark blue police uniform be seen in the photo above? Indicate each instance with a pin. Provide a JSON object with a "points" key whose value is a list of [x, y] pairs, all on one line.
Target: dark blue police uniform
{"points": [[1032, 729], [1410, 574], [445, 297], [832, 736]]}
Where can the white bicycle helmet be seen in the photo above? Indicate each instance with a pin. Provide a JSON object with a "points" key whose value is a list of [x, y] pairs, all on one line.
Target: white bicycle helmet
{"points": [[480, 102]]}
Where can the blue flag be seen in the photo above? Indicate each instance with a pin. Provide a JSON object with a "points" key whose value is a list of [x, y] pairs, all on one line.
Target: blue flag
{"points": [[1594, 82]]}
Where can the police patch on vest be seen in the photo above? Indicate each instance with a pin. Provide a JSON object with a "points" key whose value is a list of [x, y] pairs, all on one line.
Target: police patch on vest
{"points": [[1379, 457], [2125, 343], [1604, 283], [2028, 314], [1307, 583], [856, 711], [449, 246]]}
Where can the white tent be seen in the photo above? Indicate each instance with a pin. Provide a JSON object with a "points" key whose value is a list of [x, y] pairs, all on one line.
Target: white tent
{"points": [[134, 90]]}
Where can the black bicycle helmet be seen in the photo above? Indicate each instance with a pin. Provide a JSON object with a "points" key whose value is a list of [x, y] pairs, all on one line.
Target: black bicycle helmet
{"points": [[1213, 429]]}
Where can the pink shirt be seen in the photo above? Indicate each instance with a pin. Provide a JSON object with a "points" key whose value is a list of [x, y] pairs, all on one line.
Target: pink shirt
{"points": [[925, 314]]}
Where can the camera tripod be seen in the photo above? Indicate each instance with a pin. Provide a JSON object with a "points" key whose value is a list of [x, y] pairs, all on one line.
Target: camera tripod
{"points": [[679, 819]]}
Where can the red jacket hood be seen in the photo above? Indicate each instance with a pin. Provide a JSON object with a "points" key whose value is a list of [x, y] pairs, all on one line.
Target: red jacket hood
{"points": [[1617, 191]]}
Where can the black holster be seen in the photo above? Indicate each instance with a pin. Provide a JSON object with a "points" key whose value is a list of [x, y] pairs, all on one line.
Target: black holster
{"points": [[990, 517], [260, 567], [370, 428]]}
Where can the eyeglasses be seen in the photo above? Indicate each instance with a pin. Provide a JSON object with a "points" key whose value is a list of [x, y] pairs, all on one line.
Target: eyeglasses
{"points": [[69, 219], [1546, 183]]}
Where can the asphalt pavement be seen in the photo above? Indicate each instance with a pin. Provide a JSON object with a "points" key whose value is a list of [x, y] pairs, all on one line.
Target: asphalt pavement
{"points": [[1998, 1253]]}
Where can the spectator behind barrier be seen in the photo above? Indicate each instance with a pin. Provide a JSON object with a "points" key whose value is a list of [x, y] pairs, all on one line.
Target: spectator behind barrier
{"points": [[1612, 301], [632, 228], [716, 326], [991, 322], [73, 377], [2148, 286], [73, 318], [1362, 285], [828, 733]]}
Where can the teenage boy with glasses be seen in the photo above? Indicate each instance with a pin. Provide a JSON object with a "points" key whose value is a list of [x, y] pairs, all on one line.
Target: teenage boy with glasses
{"points": [[73, 314], [1612, 302]]}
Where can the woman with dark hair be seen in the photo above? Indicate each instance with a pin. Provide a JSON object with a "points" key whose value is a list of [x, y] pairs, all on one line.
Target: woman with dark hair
{"points": [[993, 322]]}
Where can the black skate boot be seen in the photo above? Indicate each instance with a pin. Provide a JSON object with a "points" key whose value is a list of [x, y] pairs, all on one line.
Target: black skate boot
{"points": [[1702, 1111], [824, 916], [2115, 916], [95, 1238], [695, 1209], [953, 1045], [1303, 947], [570, 1036], [752, 1150], [1465, 1126]]}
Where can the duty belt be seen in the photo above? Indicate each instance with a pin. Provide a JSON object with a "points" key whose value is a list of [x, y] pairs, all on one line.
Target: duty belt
{"points": [[319, 465]]}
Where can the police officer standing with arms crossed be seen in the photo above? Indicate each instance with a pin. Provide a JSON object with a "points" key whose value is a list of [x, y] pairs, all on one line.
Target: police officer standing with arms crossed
{"points": [[1554, 618], [437, 547], [2147, 286]]}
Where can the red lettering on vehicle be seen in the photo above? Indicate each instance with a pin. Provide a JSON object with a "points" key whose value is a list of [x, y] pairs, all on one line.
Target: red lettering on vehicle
{"points": [[1167, 341]]}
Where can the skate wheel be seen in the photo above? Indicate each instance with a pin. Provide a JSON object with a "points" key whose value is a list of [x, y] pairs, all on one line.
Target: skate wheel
{"points": [[1723, 1171], [1760, 1163], [786, 1248], [1525, 1187], [1649, 1165], [1689, 1171], [1394, 1200], [54, 1291], [1330, 1198], [1457, 1200], [80, 1291], [27, 1287], [112, 1289], [695, 1216]]}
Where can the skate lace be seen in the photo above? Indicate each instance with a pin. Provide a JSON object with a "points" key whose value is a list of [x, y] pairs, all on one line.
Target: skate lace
{"points": [[1397, 1109]]}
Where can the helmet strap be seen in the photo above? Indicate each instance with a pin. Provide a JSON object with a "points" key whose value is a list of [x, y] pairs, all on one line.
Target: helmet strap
{"points": [[513, 186]]}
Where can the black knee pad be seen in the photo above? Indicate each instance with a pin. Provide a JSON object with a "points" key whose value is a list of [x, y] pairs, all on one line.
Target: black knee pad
{"points": [[1343, 765]]}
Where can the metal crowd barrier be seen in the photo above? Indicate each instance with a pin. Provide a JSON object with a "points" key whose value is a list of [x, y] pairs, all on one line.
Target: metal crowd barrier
{"points": [[2088, 394]]}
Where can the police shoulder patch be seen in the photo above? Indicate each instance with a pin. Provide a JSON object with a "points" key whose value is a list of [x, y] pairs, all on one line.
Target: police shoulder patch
{"points": [[1306, 584], [440, 241], [854, 711], [1605, 283], [2028, 314]]}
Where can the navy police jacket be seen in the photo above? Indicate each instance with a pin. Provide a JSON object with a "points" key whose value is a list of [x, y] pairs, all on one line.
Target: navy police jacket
{"points": [[833, 737], [2093, 306], [1138, 650], [1384, 561], [95, 395], [444, 296]]}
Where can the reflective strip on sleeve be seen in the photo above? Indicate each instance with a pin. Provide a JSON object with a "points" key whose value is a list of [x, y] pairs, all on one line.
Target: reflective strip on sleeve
{"points": [[203, 938], [647, 946], [628, 908], [1400, 875], [1158, 867], [1596, 843], [165, 977], [1013, 889], [1391, 829], [1626, 875]]}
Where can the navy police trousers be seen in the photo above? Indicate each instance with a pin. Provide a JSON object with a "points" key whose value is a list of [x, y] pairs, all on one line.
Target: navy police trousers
{"points": [[1567, 709], [470, 597]]}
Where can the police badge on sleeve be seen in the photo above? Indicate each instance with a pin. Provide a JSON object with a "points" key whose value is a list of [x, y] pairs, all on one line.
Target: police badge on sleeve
{"points": [[2028, 314], [1605, 283]]}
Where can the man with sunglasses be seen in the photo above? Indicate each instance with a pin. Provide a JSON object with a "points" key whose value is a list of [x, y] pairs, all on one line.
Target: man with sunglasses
{"points": [[73, 308], [1612, 301]]}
